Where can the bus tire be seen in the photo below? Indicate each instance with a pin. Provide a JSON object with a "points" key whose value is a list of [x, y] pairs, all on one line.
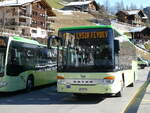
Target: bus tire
{"points": [[29, 83]]}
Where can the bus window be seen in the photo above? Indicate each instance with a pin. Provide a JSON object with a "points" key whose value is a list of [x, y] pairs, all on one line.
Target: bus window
{"points": [[19, 58], [3, 46], [89, 50], [2, 58]]}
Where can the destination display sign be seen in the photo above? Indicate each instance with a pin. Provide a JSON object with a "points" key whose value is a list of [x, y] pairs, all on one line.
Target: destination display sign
{"points": [[85, 35]]}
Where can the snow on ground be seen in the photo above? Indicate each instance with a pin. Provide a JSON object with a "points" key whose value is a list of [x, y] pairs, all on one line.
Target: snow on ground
{"points": [[121, 27], [68, 12]]}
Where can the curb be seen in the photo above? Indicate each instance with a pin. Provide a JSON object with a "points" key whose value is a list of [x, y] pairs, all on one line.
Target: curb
{"points": [[138, 93]]}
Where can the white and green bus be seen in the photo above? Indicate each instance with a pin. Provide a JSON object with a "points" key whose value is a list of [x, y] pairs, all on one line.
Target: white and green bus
{"points": [[92, 61], [25, 63]]}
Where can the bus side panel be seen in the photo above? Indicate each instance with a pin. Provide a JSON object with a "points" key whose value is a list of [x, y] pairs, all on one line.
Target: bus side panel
{"points": [[13, 83], [43, 78], [130, 76]]}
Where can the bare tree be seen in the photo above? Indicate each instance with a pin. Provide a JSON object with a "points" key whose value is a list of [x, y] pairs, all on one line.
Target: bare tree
{"points": [[122, 5], [118, 6], [107, 5], [133, 6], [127, 7], [141, 7]]}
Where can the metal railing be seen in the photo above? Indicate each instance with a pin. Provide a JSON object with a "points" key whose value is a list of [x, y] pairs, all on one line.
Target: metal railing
{"points": [[8, 32]]}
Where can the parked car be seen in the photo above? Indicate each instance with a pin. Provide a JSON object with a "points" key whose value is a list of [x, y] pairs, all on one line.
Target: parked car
{"points": [[142, 63]]}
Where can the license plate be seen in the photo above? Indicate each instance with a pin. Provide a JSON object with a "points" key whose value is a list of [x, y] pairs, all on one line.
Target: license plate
{"points": [[68, 86], [83, 89]]}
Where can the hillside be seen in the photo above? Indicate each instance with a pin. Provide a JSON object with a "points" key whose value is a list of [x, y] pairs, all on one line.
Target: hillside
{"points": [[59, 3], [55, 3], [71, 18], [147, 11]]}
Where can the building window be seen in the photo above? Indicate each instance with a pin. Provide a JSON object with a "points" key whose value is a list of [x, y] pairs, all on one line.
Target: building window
{"points": [[35, 13], [34, 31], [43, 32], [34, 22]]}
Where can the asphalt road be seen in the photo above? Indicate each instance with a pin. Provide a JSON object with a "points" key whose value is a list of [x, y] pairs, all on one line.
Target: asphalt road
{"points": [[47, 100]]}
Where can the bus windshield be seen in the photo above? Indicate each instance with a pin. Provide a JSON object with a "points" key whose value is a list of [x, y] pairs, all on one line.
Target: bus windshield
{"points": [[3, 46], [86, 51]]}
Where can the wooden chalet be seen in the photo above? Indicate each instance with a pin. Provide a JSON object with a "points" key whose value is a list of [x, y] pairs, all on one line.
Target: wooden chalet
{"points": [[141, 33], [84, 6], [32, 18], [134, 17]]}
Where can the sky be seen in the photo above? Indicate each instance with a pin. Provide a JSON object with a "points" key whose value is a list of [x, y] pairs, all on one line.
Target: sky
{"points": [[138, 3]]}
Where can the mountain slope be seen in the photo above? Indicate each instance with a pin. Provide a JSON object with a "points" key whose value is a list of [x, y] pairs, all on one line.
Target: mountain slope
{"points": [[147, 11], [55, 3], [59, 3]]}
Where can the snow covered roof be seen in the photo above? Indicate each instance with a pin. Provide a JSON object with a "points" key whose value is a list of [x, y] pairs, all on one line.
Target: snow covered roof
{"points": [[79, 3], [132, 12], [23, 2], [137, 29], [135, 12], [15, 2]]}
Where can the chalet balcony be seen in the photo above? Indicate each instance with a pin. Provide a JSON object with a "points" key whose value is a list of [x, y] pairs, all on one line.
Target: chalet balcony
{"points": [[23, 24], [50, 19], [26, 35], [25, 15], [17, 24], [9, 32], [50, 30]]}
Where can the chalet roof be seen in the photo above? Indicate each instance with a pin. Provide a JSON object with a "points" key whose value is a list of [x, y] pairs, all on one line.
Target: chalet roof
{"points": [[132, 12], [137, 29], [13, 3], [79, 3]]}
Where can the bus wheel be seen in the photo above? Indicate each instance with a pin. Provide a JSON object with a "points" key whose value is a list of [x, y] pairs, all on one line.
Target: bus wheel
{"points": [[29, 84]]}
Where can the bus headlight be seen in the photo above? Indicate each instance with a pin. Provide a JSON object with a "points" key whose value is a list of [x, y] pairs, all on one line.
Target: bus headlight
{"points": [[60, 81], [3, 84], [109, 80]]}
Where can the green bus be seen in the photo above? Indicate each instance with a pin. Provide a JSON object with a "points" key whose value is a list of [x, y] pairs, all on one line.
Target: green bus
{"points": [[25, 63], [95, 60]]}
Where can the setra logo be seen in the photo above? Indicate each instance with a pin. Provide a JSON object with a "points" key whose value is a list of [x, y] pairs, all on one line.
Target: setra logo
{"points": [[83, 76]]}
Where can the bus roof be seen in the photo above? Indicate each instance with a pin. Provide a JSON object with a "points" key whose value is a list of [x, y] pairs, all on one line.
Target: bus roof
{"points": [[84, 27], [21, 39]]}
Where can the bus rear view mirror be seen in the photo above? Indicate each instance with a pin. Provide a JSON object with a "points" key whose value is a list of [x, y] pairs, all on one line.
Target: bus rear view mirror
{"points": [[116, 46], [54, 41]]}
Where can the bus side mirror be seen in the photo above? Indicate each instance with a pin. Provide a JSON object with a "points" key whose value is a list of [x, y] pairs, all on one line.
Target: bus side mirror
{"points": [[53, 38], [116, 46]]}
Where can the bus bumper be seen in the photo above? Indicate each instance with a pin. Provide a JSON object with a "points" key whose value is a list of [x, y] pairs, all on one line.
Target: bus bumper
{"points": [[90, 89]]}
